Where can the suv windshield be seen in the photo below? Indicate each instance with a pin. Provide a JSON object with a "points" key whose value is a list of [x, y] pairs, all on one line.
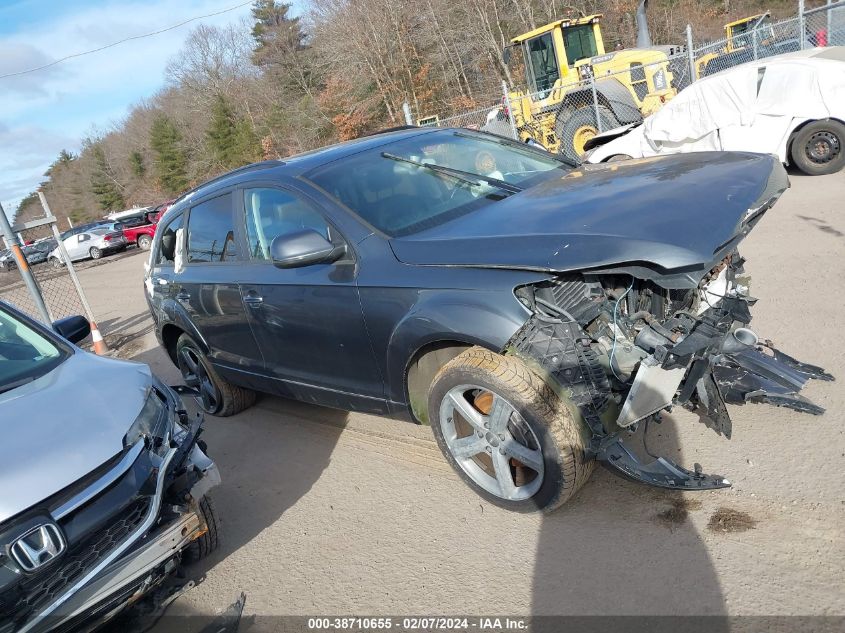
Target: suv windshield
{"points": [[25, 353], [416, 183]]}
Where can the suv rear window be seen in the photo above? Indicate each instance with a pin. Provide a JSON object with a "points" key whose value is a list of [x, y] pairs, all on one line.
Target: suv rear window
{"points": [[211, 235]]}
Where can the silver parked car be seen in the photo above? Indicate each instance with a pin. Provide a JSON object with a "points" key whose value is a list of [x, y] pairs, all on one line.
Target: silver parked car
{"points": [[103, 481], [91, 244]]}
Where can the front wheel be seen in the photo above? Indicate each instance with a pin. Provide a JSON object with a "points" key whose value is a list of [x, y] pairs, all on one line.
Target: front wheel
{"points": [[55, 262], [208, 541], [217, 396], [95, 253], [818, 148], [507, 433]]}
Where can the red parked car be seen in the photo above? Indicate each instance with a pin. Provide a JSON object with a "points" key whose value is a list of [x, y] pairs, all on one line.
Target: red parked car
{"points": [[141, 231]]}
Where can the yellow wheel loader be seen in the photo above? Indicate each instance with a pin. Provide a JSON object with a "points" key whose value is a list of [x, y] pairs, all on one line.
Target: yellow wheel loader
{"points": [[558, 108], [741, 38]]}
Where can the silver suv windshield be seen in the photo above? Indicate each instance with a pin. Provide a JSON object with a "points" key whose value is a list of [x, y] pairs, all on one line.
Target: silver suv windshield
{"points": [[25, 353]]}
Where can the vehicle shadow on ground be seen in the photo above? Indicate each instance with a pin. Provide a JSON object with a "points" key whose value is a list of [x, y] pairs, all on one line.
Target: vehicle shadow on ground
{"points": [[266, 462], [620, 548]]}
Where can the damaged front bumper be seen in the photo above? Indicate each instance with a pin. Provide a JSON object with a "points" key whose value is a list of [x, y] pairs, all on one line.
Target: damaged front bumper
{"points": [[705, 371], [147, 555], [701, 361]]}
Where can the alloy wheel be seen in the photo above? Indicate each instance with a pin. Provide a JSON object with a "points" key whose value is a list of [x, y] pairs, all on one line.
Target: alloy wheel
{"points": [[491, 442], [196, 376]]}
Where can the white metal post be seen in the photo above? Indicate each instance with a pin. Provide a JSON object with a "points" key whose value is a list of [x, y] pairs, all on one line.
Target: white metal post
{"points": [[690, 55], [828, 12], [406, 108], [801, 36], [595, 100], [506, 99]]}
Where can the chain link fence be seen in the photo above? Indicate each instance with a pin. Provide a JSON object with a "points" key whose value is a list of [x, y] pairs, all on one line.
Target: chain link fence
{"points": [[46, 289], [579, 105]]}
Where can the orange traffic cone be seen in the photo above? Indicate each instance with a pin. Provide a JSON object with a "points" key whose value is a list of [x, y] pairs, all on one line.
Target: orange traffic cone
{"points": [[100, 347]]}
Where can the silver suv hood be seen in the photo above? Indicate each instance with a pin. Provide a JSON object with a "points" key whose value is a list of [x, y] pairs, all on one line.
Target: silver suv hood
{"points": [[64, 425]]}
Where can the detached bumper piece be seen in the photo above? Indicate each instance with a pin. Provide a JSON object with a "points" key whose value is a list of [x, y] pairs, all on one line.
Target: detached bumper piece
{"points": [[765, 374], [662, 472]]}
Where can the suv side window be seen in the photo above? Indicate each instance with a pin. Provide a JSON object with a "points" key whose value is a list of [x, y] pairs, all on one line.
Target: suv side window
{"points": [[271, 212], [211, 234], [166, 255]]}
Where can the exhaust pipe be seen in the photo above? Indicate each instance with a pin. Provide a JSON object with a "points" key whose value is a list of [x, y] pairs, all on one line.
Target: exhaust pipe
{"points": [[643, 35]]}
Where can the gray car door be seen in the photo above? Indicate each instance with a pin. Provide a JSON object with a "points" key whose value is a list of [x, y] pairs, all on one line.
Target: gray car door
{"points": [[308, 321]]}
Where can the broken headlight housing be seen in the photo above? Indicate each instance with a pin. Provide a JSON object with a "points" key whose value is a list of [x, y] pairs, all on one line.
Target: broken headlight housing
{"points": [[153, 424]]}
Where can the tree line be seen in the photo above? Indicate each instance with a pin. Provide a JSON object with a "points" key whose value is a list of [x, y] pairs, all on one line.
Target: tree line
{"points": [[278, 84]]}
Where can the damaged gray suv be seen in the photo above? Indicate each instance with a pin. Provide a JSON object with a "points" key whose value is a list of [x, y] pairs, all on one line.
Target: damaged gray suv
{"points": [[534, 313], [103, 480]]}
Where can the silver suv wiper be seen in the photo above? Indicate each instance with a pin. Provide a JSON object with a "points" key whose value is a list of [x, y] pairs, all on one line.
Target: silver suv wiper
{"points": [[467, 177]]}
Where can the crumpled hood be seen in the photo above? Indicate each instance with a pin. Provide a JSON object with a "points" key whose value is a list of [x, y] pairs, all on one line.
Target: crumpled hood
{"points": [[667, 212], [64, 425]]}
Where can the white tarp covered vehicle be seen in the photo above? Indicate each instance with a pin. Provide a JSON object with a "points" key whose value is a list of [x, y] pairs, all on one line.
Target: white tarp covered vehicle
{"points": [[790, 105]]}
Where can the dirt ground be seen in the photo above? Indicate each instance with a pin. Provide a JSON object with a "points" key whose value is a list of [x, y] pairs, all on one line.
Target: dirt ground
{"points": [[325, 512]]}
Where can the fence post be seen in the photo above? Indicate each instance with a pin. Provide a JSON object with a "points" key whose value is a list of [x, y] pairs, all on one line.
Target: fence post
{"points": [[754, 42], [23, 266], [690, 55], [828, 12], [97, 338], [506, 99], [801, 24], [595, 101], [406, 108]]}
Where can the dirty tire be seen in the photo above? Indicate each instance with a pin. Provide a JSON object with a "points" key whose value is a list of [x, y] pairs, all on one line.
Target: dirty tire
{"points": [[207, 543], [616, 158], [230, 399], [144, 242], [573, 130], [562, 438], [55, 262], [818, 148], [95, 253]]}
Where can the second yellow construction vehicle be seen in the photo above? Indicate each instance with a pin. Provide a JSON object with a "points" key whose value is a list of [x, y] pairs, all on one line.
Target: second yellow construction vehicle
{"points": [[559, 109]]}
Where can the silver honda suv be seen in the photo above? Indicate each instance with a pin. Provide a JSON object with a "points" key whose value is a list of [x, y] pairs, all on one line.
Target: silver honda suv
{"points": [[103, 480]]}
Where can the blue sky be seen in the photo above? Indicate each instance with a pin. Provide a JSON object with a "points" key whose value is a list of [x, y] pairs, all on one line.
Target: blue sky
{"points": [[44, 112]]}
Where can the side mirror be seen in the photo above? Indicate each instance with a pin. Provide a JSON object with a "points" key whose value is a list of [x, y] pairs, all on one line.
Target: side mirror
{"points": [[304, 248], [74, 328]]}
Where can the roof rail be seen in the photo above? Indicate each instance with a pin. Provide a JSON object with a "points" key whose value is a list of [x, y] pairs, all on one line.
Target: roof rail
{"points": [[398, 128], [264, 164]]}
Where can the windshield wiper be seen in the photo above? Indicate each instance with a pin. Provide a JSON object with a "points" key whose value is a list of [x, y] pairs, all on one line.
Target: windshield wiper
{"points": [[15, 383], [458, 174]]}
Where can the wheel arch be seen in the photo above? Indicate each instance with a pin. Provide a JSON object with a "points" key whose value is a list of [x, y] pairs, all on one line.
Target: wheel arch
{"points": [[170, 333], [437, 332]]}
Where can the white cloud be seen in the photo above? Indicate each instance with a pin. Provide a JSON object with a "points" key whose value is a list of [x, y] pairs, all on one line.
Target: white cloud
{"points": [[52, 109]]}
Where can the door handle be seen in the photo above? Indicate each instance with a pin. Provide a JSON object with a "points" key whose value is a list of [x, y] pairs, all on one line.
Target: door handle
{"points": [[183, 296], [253, 300]]}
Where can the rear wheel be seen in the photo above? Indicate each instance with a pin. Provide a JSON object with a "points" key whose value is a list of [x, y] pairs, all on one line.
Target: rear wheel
{"points": [[216, 396], [575, 130], [507, 433], [818, 148], [95, 253], [144, 242]]}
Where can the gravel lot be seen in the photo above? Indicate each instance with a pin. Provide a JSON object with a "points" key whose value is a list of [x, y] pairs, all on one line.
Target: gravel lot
{"points": [[326, 512]]}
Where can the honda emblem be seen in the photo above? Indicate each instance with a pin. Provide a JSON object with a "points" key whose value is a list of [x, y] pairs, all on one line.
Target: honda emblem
{"points": [[38, 547]]}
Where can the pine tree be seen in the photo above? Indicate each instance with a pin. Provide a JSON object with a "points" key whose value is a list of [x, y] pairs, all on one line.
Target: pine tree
{"points": [[278, 38], [231, 139], [104, 185], [136, 162], [170, 158]]}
